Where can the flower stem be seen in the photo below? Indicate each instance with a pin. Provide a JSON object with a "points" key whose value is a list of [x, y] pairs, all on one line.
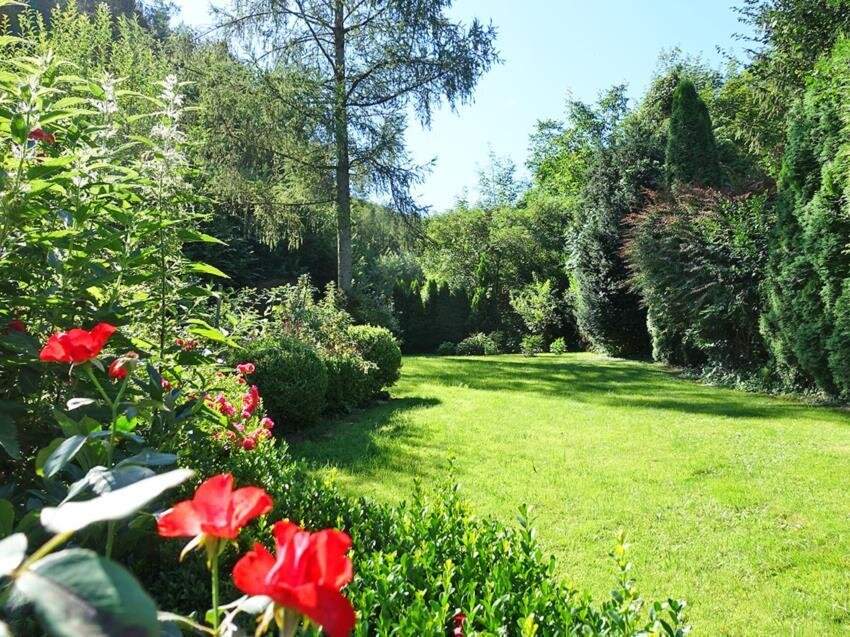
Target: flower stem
{"points": [[45, 549], [214, 555], [111, 444]]}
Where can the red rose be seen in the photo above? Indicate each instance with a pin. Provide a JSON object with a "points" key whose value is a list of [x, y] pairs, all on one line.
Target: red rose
{"points": [[76, 346], [245, 368], [223, 406], [459, 620], [250, 401], [166, 386], [16, 325], [267, 423], [216, 511], [248, 444], [40, 135], [307, 575], [120, 366]]}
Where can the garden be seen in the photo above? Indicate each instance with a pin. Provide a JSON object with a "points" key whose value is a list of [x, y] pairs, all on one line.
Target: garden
{"points": [[248, 385]]}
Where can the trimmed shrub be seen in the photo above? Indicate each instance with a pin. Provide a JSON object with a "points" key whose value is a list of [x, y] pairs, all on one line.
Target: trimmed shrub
{"points": [[292, 379], [348, 382], [558, 346], [477, 345], [378, 346], [447, 349], [532, 344]]}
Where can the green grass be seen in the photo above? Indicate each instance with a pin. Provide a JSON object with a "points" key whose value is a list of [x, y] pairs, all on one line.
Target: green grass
{"points": [[736, 502]]}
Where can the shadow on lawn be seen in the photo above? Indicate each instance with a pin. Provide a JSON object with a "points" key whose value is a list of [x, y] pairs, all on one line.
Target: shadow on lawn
{"points": [[349, 442], [614, 383]]}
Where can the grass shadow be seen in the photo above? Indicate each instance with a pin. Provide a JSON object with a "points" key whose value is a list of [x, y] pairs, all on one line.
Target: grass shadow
{"points": [[351, 442], [612, 382]]}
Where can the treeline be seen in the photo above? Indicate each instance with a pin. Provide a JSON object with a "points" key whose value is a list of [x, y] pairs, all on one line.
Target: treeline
{"points": [[705, 225]]}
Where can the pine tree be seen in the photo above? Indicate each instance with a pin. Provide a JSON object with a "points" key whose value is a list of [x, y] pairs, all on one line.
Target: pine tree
{"points": [[692, 156]]}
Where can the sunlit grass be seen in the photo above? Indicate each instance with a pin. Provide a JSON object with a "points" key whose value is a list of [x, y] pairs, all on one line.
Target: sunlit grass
{"points": [[738, 503]]}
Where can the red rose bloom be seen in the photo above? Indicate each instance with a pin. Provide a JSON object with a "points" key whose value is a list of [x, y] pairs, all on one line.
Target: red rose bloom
{"points": [[76, 346], [459, 620], [267, 423], [306, 576], [245, 368], [120, 366], [250, 401], [40, 135], [16, 325], [216, 511]]}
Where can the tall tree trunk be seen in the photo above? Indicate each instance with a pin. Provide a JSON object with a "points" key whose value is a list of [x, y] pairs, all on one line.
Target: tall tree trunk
{"points": [[343, 179]]}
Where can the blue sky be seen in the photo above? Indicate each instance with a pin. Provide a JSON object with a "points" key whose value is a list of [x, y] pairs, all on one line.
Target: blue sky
{"points": [[551, 49]]}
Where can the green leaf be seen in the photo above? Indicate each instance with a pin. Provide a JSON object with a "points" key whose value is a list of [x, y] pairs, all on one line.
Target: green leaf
{"points": [[189, 235], [63, 454], [118, 504], [6, 40], [212, 334], [149, 458], [205, 268], [7, 518], [18, 127], [9, 437], [44, 453], [125, 424], [78, 592], [13, 550]]}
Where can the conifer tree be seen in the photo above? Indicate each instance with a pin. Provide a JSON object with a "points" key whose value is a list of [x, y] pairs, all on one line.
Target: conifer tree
{"points": [[692, 156]]}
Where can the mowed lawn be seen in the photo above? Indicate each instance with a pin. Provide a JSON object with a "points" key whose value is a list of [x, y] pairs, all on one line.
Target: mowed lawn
{"points": [[736, 502]]}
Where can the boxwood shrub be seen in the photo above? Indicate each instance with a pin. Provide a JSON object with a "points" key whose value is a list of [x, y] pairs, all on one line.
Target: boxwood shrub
{"points": [[348, 382], [291, 377], [378, 346]]}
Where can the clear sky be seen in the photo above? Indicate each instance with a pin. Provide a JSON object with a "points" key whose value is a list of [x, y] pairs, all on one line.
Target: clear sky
{"points": [[551, 49]]}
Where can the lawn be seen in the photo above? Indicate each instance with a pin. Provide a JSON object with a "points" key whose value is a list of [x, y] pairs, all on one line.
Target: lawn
{"points": [[736, 502]]}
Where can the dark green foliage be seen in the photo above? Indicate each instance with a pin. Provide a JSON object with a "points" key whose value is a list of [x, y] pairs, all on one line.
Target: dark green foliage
{"points": [[698, 259], [609, 313], [291, 378], [807, 291], [430, 316], [379, 347], [691, 156], [447, 349], [348, 383]]}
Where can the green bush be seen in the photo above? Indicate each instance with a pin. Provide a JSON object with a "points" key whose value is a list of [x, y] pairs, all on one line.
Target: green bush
{"points": [[291, 377], [532, 344], [379, 347], [558, 346], [477, 345], [698, 258], [447, 349], [348, 381]]}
